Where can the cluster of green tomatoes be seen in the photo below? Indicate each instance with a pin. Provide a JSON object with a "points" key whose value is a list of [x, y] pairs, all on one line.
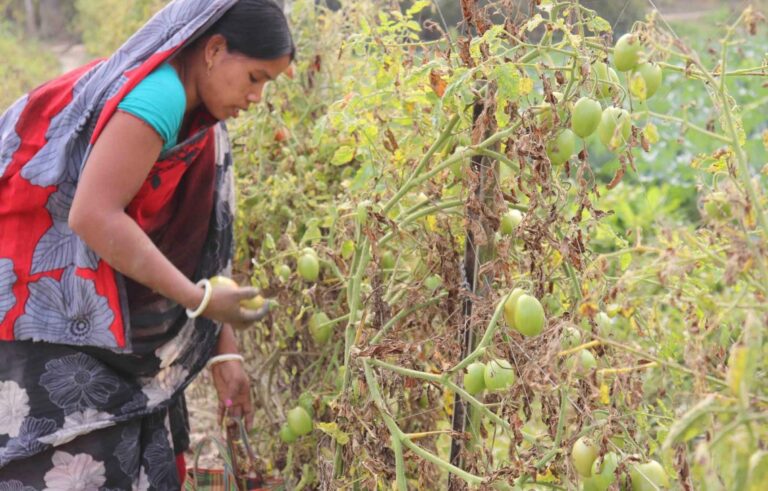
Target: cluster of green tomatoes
{"points": [[612, 124]]}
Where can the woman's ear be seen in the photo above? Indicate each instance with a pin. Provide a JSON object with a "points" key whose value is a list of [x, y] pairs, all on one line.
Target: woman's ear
{"points": [[214, 47]]}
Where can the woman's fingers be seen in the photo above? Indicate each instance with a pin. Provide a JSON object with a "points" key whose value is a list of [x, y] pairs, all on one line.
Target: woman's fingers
{"points": [[251, 316]]}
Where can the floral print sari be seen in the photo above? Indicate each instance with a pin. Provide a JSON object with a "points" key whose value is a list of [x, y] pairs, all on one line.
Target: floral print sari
{"points": [[92, 365]]}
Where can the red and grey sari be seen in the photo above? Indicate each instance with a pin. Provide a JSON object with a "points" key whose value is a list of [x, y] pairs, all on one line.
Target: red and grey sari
{"points": [[92, 365]]}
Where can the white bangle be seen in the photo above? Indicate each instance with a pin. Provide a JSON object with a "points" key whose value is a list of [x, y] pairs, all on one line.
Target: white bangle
{"points": [[225, 357], [206, 283]]}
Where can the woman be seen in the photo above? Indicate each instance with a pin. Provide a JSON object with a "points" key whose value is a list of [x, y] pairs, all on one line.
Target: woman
{"points": [[116, 197]]}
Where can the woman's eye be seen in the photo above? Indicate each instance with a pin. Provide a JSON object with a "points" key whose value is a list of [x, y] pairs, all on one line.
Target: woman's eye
{"points": [[253, 79]]}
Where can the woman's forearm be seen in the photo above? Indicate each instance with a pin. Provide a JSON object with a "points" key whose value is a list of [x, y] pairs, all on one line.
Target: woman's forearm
{"points": [[227, 341], [119, 240]]}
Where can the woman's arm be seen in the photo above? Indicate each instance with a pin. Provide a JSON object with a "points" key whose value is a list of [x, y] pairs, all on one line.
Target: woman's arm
{"points": [[117, 167]]}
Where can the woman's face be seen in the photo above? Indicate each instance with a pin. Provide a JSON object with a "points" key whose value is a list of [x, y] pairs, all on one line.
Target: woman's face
{"points": [[232, 81]]}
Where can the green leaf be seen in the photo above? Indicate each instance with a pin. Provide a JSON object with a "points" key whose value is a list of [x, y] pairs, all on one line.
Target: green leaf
{"points": [[691, 423], [625, 260], [343, 155], [417, 7], [508, 79], [332, 429], [598, 24]]}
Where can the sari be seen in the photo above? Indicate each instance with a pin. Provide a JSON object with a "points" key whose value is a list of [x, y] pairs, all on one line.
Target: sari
{"points": [[93, 365]]}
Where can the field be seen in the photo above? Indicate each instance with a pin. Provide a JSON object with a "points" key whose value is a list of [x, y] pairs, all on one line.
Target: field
{"points": [[468, 294]]}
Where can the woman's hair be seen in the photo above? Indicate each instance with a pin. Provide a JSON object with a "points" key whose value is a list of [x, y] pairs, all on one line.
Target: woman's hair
{"points": [[255, 28]]}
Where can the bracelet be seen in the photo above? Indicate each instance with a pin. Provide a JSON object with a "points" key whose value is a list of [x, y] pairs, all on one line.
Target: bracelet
{"points": [[225, 357], [206, 283]]}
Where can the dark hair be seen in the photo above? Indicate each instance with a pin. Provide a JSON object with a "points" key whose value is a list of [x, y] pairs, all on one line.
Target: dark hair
{"points": [[257, 29]]}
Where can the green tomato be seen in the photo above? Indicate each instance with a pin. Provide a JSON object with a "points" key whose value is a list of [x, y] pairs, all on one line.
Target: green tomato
{"points": [[509, 221], [347, 249], [583, 454], [299, 421], [286, 435], [717, 206], [626, 53], [646, 80], [433, 282], [570, 337], [529, 316], [649, 476], [219, 281], [319, 328], [283, 271], [586, 116], [309, 267], [498, 374], [604, 321], [603, 472], [474, 379], [587, 360], [307, 401], [607, 80], [615, 127], [387, 261], [562, 147], [509, 306]]}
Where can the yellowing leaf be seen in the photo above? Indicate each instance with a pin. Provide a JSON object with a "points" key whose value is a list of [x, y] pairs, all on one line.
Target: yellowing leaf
{"points": [[525, 86], [432, 223], [605, 394], [651, 133], [737, 366], [332, 429], [343, 155], [588, 309]]}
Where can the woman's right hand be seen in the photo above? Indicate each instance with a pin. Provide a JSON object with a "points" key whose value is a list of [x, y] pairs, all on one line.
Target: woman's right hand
{"points": [[225, 306]]}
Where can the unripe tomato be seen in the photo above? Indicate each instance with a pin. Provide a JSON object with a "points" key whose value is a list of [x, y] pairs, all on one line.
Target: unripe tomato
{"points": [[604, 321], [307, 401], [529, 316], [347, 248], [299, 421], [587, 360], [650, 74], [583, 454], [498, 374], [562, 147], [570, 337], [319, 328], [286, 435], [586, 116], [309, 267], [254, 303], [717, 206], [509, 221], [626, 53], [474, 379], [219, 281], [615, 127], [607, 80], [510, 305], [649, 476], [433, 282], [284, 272], [603, 473]]}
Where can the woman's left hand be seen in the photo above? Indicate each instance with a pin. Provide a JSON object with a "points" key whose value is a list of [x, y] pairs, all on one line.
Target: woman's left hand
{"points": [[234, 390]]}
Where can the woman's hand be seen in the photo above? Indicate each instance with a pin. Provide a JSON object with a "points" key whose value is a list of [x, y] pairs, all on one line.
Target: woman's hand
{"points": [[225, 306], [234, 391]]}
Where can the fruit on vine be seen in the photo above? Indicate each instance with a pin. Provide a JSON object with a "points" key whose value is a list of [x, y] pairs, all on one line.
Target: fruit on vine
{"points": [[286, 434], [509, 221], [562, 147], [587, 360], [603, 473], [646, 80], [603, 321], [320, 328], [309, 266], [586, 116], [615, 127], [498, 374], [529, 316], [387, 260], [509, 306], [607, 80], [583, 454], [649, 476], [626, 53], [433, 282], [307, 401], [474, 379], [299, 421], [717, 206], [570, 337], [284, 272]]}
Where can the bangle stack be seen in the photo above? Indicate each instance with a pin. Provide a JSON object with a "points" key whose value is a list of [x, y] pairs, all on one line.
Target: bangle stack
{"points": [[225, 357], [205, 283]]}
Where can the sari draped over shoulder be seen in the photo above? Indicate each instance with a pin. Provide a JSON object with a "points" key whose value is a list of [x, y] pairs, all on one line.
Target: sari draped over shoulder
{"points": [[93, 364]]}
